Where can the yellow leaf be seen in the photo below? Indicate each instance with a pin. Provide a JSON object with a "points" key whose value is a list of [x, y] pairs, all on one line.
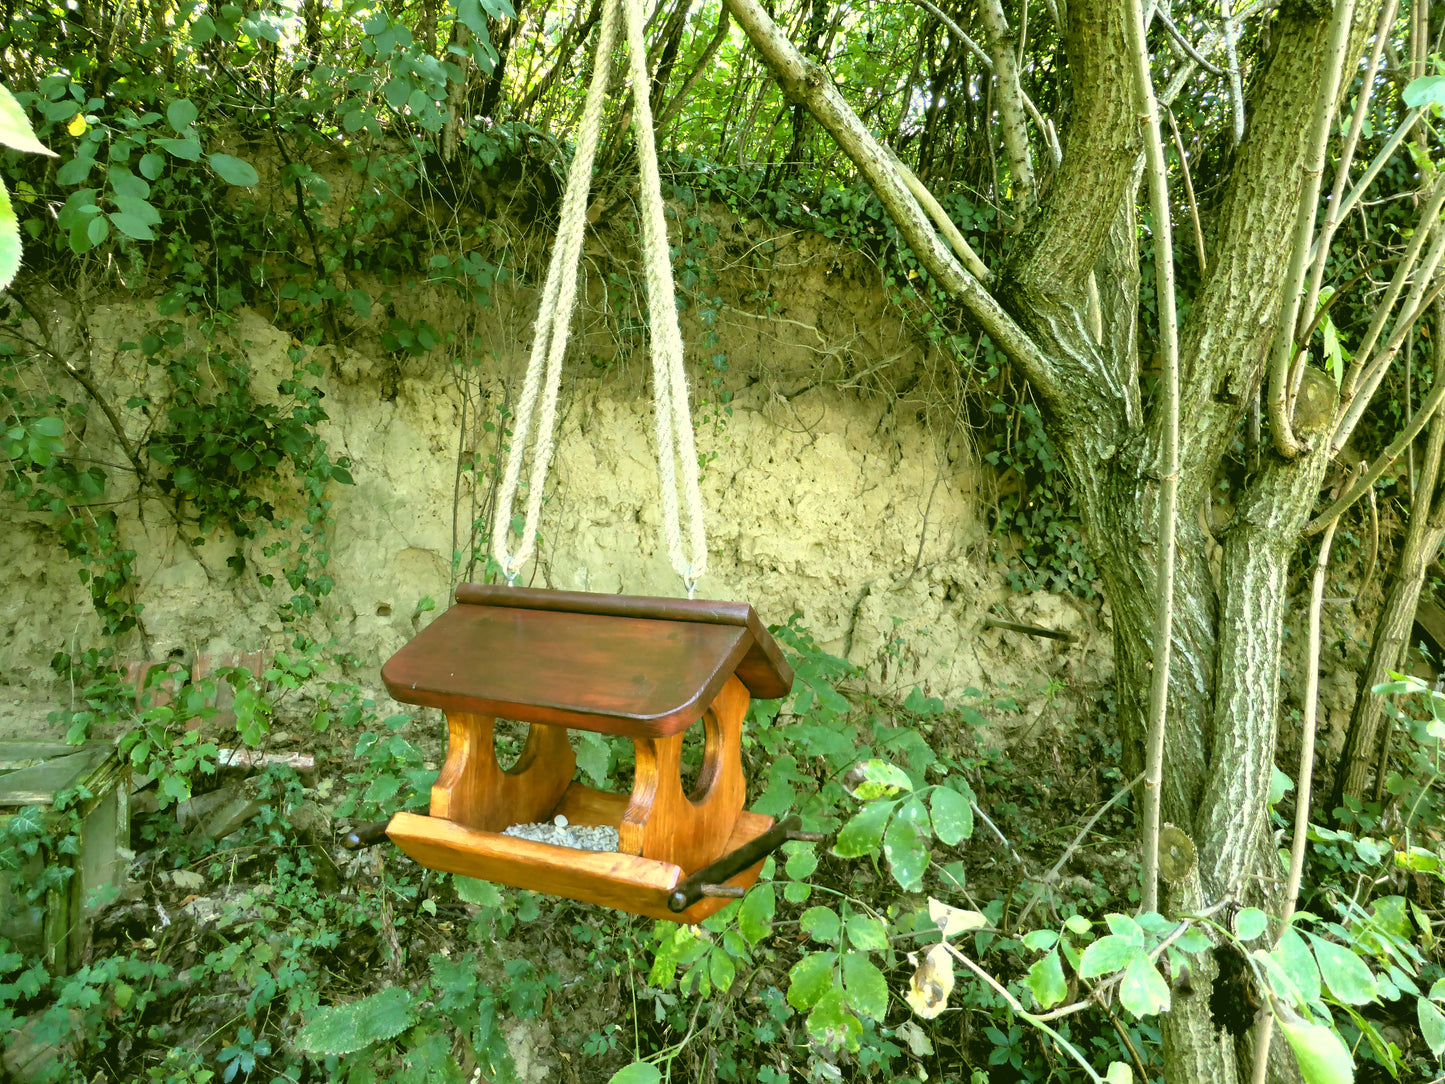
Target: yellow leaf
{"points": [[77, 125], [931, 984], [954, 920]]}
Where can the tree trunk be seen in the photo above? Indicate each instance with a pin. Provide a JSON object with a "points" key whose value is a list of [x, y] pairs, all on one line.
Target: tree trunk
{"points": [[1228, 631]]}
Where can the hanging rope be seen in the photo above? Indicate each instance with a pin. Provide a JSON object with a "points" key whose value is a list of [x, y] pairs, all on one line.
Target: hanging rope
{"points": [[554, 320], [669, 381], [673, 420]]}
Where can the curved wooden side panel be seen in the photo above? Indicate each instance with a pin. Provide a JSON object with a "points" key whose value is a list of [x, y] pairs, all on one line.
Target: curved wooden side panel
{"points": [[664, 823], [622, 882], [472, 790]]}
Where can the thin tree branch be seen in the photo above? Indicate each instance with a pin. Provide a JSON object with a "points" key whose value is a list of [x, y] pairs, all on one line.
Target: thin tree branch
{"points": [[1155, 170], [805, 82], [1236, 82], [1428, 406], [1373, 169], [1321, 247], [1010, 107], [1283, 350], [1178, 36], [1303, 784], [1050, 136], [1189, 193]]}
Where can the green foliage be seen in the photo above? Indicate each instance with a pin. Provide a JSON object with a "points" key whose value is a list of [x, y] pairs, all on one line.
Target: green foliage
{"points": [[344, 1029]]}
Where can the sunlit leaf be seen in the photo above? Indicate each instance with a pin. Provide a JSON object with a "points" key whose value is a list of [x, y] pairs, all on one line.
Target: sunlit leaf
{"points": [[15, 128], [1322, 1057], [931, 983], [1046, 980]]}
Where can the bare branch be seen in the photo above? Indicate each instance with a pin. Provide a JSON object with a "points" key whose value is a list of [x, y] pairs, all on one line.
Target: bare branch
{"points": [[1321, 249], [1010, 106], [1193, 53], [1148, 110], [806, 83]]}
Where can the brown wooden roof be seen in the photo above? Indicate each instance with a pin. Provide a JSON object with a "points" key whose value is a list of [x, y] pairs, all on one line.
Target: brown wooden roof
{"points": [[618, 664]]}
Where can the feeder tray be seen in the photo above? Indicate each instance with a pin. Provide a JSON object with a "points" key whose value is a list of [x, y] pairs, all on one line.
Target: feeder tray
{"points": [[643, 668]]}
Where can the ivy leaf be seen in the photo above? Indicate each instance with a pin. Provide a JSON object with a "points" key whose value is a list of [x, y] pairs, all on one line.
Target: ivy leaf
{"points": [[342, 1029], [952, 816], [905, 845], [864, 832], [755, 917], [1344, 973], [15, 129], [864, 987], [809, 979], [1143, 990], [233, 170], [1046, 980], [1322, 1057]]}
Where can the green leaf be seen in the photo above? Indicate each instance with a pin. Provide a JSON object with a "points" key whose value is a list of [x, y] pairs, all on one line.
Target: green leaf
{"points": [[1432, 1026], [233, 170], [1119, 1073], [1346, 975], [203, 29], [952, 816], [864, 987], [15, 129], [905, 845], [10, 248], [755, 917], [639, 1072], [138, 208], [1040, 940], [1298, 964], [594, 756], [1250, 923], [187, 149], [181, 114], [801, 863], [152, 166], [342, 1029], [864, 832], [75, 171], [1427, 90], [473, 891], [1046, 980], [721, 970], [809, 979], [831, 1024], [132, 226], [1322, 1057], [821, 924], [881, 780], [1107, 955], [1143, 990], [125, 183], [866, 932]]}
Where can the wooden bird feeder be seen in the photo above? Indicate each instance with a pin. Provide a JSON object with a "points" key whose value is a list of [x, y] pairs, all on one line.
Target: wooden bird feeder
{"points": [[643, 668]]}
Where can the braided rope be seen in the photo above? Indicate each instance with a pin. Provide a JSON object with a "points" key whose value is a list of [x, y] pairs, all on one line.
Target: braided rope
{"points": [[672, 418], [554, 318]]}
